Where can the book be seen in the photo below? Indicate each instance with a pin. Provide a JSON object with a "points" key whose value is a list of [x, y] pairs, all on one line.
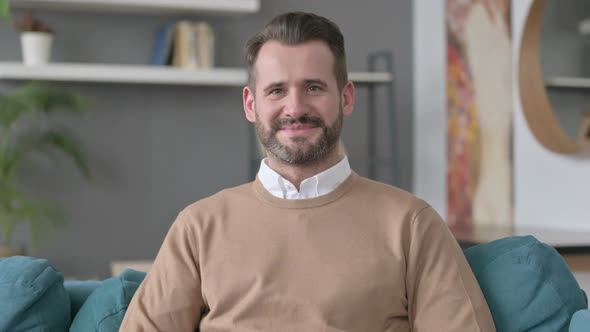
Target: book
{"points": [[193, 45], [205, 44], [163, 44], [185, 46]]}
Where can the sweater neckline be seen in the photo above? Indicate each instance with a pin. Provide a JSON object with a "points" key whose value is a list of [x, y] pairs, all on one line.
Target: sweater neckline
{"points": [[267, 197]]}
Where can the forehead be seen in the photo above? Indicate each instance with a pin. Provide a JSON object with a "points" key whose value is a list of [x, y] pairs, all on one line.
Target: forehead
{"points": [[277, 62]]}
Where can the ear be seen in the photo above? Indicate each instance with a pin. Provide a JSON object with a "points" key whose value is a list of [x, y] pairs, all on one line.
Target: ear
{"points": [[249, 104], [348, 96]]}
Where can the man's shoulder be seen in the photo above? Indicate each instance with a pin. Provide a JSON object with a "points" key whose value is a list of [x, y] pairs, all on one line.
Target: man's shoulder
{"points": [[389, 194], [221, 199]]}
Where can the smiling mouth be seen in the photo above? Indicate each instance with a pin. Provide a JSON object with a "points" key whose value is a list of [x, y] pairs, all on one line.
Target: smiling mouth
{"points": [[303, 126], [298, 130], [298, 127]]}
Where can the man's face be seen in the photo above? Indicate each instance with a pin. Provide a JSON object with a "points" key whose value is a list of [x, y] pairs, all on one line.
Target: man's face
{"points": [[296, 106]]}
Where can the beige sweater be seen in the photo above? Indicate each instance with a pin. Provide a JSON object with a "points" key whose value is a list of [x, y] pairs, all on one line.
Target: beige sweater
{"points": [[366, 257]]}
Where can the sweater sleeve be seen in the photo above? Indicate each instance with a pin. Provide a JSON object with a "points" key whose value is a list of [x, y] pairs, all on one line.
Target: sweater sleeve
{"points": [[443, 294], [170, 297]]}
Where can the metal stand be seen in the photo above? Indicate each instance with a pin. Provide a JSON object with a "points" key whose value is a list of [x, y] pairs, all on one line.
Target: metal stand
{"points": [[373, 158]]}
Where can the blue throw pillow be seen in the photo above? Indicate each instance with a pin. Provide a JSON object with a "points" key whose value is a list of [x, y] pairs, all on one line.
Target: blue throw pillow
{"points": [[32, 296], [580, 321], [79, 290], [106, 306], [527, 284]]}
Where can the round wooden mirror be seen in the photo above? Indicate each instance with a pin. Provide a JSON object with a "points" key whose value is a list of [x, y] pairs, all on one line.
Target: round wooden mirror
{"points": [[561, 133]]}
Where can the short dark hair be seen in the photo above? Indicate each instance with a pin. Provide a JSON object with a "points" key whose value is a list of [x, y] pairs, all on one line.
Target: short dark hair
{"points": [[296, 28]]}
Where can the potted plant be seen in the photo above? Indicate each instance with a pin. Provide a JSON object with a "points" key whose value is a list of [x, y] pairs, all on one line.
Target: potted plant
{"points": [[36, 36], [28, 131]]}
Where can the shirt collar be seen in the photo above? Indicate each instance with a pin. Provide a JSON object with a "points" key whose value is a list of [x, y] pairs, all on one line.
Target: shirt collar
{"points": [[317, 185]]}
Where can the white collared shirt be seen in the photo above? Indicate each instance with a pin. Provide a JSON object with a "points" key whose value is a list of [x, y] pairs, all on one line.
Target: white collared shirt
{"points": [[317, 185]]}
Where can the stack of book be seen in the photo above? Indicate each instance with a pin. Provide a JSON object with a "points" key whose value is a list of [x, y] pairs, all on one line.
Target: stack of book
{"points": [[184, 44]]}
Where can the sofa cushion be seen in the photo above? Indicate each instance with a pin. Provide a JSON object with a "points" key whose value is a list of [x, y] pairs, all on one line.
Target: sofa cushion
{"points": [[580, 321], [32, 296], [79, 290], [527, 284], [106, 306]]}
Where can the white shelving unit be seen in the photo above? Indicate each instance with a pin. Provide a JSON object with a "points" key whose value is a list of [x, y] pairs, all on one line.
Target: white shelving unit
{"points": [[144, 74], [146, 6], [72, 72], [568, 82]]}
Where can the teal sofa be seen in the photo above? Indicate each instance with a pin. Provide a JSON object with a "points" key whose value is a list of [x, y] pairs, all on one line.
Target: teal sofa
{"points": [[527, 285]]}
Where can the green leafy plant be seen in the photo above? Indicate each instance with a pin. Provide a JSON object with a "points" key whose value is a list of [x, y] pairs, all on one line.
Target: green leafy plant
{"points": [[28, 131], [5, 10]]}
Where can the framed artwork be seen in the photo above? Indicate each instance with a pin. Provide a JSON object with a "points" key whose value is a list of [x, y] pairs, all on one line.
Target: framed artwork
{"points": [[479, 113]]}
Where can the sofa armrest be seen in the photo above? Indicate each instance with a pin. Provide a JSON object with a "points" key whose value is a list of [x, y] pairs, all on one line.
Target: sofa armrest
{"points": [[580, 321]]}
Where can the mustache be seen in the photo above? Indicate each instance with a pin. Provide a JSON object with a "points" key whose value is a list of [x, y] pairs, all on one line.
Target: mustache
{"points": [[304, 119]]}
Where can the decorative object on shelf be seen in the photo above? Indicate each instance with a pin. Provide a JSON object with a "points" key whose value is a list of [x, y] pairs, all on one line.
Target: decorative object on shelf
{"points": [[479, 113], [194, 45], [36, 40], [27, 132], [536, 106], [185, 44], [163, 44], [36, 36]]}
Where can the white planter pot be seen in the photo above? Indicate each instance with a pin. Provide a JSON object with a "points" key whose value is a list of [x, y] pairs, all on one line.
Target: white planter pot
{"points": [[36, 47]]}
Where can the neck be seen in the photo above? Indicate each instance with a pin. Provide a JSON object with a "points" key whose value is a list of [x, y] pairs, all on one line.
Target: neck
{"points": [[297, 173]]}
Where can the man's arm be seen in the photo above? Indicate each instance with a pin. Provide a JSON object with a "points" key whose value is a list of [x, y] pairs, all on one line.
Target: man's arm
{"points": [[443, 294], [169, 299]]}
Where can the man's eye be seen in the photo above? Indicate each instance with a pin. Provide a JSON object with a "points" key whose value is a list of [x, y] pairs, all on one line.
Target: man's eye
{"points": [[314, 88], [275, 92]]}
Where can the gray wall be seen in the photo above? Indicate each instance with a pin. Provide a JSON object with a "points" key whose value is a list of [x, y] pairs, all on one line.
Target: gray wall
{"points": [[156, 149]]}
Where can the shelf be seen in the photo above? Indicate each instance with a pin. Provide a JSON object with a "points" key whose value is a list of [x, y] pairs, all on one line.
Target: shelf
{"points": [[568, 82], [70, 72], [138, 74], [370, 77], [146, 6]]}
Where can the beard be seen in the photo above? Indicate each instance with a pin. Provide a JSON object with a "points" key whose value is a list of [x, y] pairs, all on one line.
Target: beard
{"points": [[302, 152]]}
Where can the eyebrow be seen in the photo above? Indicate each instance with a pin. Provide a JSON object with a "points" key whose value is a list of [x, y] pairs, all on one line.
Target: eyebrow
{"points": [[275, 85], [316, 81]]}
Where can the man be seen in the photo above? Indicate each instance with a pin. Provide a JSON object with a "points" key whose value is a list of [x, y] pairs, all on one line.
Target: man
{"points": [[309, 245]]}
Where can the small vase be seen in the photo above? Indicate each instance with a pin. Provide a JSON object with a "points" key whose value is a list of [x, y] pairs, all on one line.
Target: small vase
{"points": [[11, 251], [36, 47]]}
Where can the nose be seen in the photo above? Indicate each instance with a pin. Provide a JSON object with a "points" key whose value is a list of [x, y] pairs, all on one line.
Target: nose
{"points": [[296, 104]]}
